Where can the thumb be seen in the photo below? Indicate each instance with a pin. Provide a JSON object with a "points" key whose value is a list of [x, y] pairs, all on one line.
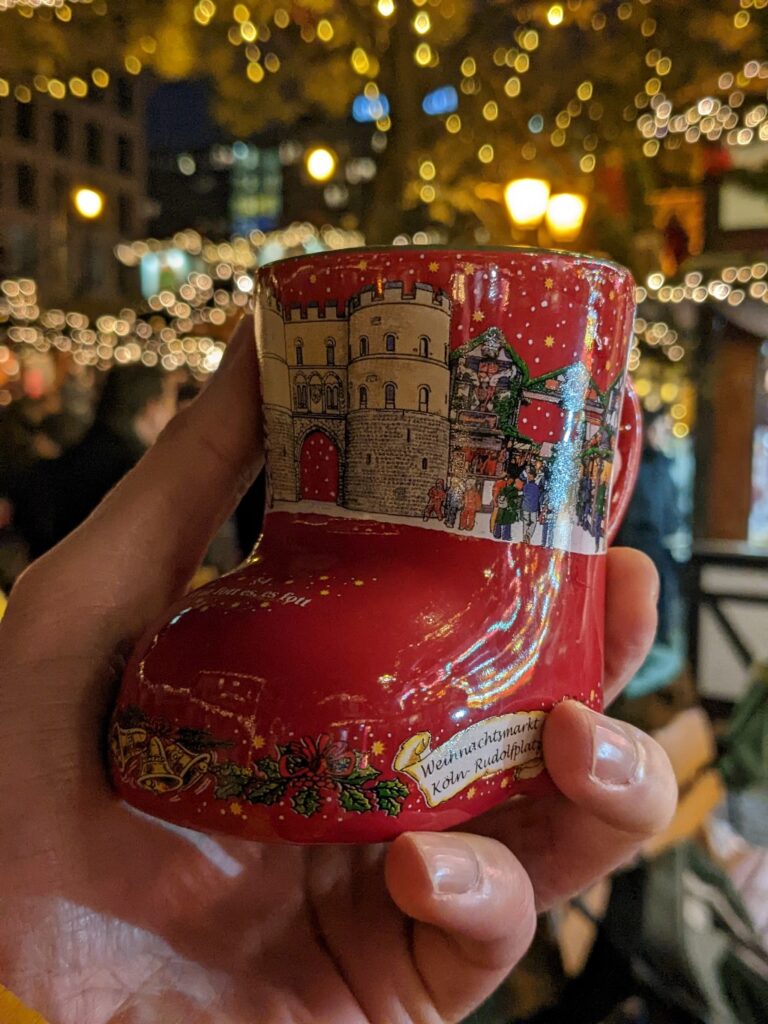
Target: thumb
{"points": [[473, 907]]}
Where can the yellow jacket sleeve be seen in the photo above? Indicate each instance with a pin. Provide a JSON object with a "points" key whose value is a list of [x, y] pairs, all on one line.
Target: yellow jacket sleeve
{"points": [[14, 1012]]}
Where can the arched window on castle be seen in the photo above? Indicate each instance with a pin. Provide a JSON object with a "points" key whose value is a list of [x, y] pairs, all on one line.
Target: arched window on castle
{"points": [[424, 346], [389, 341], [332, 396], [330, 351], [363, 397], [299, 352], [302, 399], [424, 399], [389, 396], [364, 345]]}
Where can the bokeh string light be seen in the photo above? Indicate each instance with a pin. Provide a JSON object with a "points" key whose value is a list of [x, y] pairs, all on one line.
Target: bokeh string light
{"points": [[174, 329]]}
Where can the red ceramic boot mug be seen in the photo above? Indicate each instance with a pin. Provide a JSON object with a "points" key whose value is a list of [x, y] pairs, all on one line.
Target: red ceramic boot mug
{"points": [[442, 431]]}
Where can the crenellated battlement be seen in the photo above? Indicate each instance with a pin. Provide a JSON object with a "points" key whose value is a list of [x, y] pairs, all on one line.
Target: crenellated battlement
{"points": [[395, 291], [313, 312]]}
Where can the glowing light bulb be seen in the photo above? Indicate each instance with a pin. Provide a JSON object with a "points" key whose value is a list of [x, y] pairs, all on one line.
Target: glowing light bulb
{"points": [[88, 202], [320, 163], [565, 215], [526, 200]]}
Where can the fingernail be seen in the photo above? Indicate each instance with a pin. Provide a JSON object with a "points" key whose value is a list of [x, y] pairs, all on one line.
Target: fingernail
{"points": [[451, 863], [615, 754]]}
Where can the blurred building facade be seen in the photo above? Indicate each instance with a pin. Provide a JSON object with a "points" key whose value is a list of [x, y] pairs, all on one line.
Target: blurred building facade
{"points": [[50, 149]]}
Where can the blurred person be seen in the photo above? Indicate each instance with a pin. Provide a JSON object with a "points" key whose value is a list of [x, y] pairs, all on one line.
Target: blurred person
{"points": [[135, 405], [24, 439], [653, 515]]}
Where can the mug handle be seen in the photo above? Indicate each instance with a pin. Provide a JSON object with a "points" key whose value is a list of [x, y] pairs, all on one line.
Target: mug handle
{"points": [[629, 447]]}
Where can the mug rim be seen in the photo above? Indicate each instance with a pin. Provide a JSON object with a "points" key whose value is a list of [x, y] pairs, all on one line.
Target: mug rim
{"points": [[527, 250]]}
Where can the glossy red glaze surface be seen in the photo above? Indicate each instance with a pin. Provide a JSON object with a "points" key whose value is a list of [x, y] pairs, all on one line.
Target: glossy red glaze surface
{"points": [[385, 659]]}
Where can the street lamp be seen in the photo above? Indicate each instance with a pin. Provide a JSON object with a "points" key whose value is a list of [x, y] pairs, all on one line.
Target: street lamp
{"points": [[88, 202], [565, 216], [526, 200], [320, 163]]}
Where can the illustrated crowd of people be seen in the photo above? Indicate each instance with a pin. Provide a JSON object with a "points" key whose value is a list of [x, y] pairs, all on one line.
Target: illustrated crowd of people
{"points": [[524, 494]]}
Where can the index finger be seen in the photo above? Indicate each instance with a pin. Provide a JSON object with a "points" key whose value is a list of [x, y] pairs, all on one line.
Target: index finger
{"points": [[632, 593]]}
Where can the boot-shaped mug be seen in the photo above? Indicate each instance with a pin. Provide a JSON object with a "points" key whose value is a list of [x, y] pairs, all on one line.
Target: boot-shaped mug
{"points": [[451, 442]]}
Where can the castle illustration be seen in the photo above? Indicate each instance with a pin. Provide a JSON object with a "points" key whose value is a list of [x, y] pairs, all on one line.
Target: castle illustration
{"points": [[367, 408]]}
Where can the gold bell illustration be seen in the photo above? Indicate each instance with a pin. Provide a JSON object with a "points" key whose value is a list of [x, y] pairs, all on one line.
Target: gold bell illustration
{"points": [[156, 773], [127, 743], [185, 763]]}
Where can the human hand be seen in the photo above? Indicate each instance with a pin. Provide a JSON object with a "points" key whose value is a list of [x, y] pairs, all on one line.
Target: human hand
{"points": [[110, 917]]}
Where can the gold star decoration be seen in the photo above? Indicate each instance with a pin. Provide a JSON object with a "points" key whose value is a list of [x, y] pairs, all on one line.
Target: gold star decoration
{"points": [[362, 265], [549, 341], [471, 792], [313, 278], [505, 782], [257, 742], [469, 268], [377, 747], [235, 808], [478, 316], [549, 284], [434, 265]]}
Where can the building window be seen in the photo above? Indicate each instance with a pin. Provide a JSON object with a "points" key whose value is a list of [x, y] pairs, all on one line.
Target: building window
{"points": [[332, 396], [301, 396], [424, 346], [299, 352], [423, 399], [368, 459], [363, 397], [124, 95], [25, 121], [125, 214], [364, 345], [389, 396], [408, 435], [26, 186], [21, 254], [124, 154], [390, 342], [330, 351], [424, 464], [62, 132], [94, 144]]}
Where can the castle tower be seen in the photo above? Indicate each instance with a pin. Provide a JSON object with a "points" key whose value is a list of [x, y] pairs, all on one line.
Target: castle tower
{"points": [[276, 389], [317, 354], [397, 426]]}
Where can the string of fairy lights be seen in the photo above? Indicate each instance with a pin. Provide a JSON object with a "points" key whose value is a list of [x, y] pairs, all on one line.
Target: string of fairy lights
{"points": [[183, 328], [175, 329]]}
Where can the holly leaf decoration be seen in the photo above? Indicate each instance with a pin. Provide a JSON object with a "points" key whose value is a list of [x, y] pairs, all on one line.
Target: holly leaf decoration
{"points": [[352, 798], [265, 791], [306, 802], [268, 766], [361, 775], [390, 794], [231, 780]]}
